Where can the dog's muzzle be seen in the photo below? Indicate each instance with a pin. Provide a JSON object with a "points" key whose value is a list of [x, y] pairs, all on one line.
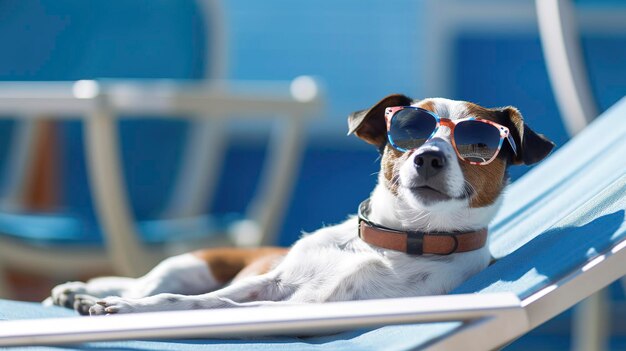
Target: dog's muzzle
{"points": [[429, 179]]}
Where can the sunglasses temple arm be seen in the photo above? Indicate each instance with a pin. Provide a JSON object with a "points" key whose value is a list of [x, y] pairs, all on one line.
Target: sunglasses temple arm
{"points": [[512, 143]]}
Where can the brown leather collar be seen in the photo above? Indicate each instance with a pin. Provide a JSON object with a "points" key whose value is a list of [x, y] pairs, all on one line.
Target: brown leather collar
{"points": [[418, 243]]}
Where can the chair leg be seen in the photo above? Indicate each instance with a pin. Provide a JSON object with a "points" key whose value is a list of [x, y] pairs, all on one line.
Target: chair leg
{"points": [[5, 288], [276, 184], [110, 194], [590, 324]]}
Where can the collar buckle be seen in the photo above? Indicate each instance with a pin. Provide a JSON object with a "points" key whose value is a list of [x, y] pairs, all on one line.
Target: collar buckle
{"points": [[415, 243]]}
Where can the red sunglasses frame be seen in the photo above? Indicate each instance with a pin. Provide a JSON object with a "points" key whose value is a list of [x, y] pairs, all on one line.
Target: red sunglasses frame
{"points": [[390, 112]]}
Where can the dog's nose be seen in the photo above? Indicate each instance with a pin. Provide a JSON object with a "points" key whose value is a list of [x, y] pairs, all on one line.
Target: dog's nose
{"points": [[429, 162]]}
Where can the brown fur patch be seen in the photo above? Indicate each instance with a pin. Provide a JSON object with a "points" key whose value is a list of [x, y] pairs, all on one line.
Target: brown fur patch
{"points": [[226, 263], [427, 105], [487, 181], [481, 112], [390, 166]]}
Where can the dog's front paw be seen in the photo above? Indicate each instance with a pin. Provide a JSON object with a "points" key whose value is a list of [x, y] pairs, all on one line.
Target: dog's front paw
{"points": [[65, 294], [111, 305], [82, 303]]}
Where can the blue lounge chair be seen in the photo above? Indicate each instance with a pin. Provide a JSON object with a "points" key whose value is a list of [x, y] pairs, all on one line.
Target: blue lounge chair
{"points": [[560, 236]]}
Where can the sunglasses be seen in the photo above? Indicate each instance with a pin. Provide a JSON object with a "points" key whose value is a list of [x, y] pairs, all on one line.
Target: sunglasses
{"points": [[476, 141]]}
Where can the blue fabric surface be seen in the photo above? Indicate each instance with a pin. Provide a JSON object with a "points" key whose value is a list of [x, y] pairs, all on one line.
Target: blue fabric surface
{"points": [[571, 176], [565, 212], [52, 229], [580, 236]]}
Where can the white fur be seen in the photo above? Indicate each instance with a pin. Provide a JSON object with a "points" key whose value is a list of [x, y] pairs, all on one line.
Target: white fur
{"points": [[330, 264]]}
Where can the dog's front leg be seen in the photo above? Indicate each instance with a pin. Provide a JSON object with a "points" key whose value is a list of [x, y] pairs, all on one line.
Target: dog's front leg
{"points": [[253, 291]]}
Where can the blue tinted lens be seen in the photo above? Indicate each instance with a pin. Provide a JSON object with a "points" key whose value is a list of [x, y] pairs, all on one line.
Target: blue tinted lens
{"points": [[476, 141], [411, 128]]}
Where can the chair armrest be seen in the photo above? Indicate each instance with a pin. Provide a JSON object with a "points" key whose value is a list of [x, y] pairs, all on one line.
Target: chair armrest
{"points": [[168, 98], [500, 314], [301, 97]]}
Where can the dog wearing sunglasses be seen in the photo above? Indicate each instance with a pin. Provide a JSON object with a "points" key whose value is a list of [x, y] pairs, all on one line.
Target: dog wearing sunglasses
{"points": [[422, 231]]}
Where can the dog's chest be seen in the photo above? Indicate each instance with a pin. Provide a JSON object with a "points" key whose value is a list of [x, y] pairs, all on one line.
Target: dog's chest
{"points": [[333, 264]]}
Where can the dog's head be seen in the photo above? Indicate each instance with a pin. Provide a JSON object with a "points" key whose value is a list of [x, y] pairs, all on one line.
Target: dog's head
{"points": [[432, 176]]}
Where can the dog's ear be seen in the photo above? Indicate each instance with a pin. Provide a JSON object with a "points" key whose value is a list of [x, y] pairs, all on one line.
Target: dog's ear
{"points": [[370, 124], [531, 147]]}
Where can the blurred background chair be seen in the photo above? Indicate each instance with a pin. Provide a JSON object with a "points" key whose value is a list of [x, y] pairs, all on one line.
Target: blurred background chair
{"points": [[487, 51], [151, 186]]}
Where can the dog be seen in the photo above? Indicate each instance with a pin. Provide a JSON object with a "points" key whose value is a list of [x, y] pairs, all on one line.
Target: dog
{"points": [[423, 230]]}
